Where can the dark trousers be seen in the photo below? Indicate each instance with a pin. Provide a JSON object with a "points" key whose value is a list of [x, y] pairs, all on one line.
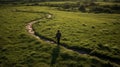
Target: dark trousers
{"points": [[58, 41]]}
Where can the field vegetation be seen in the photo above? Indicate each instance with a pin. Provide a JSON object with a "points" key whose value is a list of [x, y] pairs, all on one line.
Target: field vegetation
{"points": [[96, 34], [89, 7]]}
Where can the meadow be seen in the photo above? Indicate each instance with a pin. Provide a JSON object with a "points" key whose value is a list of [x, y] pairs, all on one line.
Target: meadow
{"points": [[98, 33]]}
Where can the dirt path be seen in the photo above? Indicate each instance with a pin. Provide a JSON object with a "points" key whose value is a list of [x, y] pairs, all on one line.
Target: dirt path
{"points": [[32, 32], [29, 28]]}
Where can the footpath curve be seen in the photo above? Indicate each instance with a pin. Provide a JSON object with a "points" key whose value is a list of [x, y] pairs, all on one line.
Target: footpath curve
{"points": [[29, 28], [31, 31]]}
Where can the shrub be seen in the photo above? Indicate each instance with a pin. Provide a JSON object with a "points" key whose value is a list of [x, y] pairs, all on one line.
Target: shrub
{"points": [[14, 3], [116, 1], [93, 4], [99, 9], [35, 4], [115, 7], [82, 8], [66, 6]]}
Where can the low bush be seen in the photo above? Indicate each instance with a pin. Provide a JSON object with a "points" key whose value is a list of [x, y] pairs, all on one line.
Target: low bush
{"points": [[82, 8], [35, 4], [99, 9]]}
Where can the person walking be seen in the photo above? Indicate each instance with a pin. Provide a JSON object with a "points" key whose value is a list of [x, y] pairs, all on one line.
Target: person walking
{"points": [[58, 36]]}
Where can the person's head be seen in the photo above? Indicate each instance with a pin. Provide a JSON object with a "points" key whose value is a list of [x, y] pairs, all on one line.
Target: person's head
{"points": [[58, 30]]}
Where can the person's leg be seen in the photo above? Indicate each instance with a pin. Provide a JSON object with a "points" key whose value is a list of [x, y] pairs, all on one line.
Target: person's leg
{"points": [[58, 40]]}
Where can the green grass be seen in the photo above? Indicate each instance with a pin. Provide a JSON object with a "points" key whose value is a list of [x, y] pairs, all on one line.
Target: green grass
{"points": [[108, 3], [19, 48], [98, 32]]}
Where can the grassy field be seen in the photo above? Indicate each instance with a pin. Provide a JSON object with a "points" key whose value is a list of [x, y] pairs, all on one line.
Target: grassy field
{"points": [[98, 32]]}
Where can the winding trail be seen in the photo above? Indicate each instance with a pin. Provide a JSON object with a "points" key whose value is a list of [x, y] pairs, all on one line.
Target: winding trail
{"points": [[29, 28]]}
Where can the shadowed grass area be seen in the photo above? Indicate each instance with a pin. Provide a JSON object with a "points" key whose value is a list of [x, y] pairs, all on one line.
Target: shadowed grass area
{"points": [[55, 54]]}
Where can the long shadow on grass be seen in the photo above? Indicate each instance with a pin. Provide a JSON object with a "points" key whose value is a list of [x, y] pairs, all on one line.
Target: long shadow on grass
{"points": [[83, 50], [55, 54]]}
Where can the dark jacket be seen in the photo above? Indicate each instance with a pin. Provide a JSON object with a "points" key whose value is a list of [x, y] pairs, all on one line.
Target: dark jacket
{"points": [[58, 35]]}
